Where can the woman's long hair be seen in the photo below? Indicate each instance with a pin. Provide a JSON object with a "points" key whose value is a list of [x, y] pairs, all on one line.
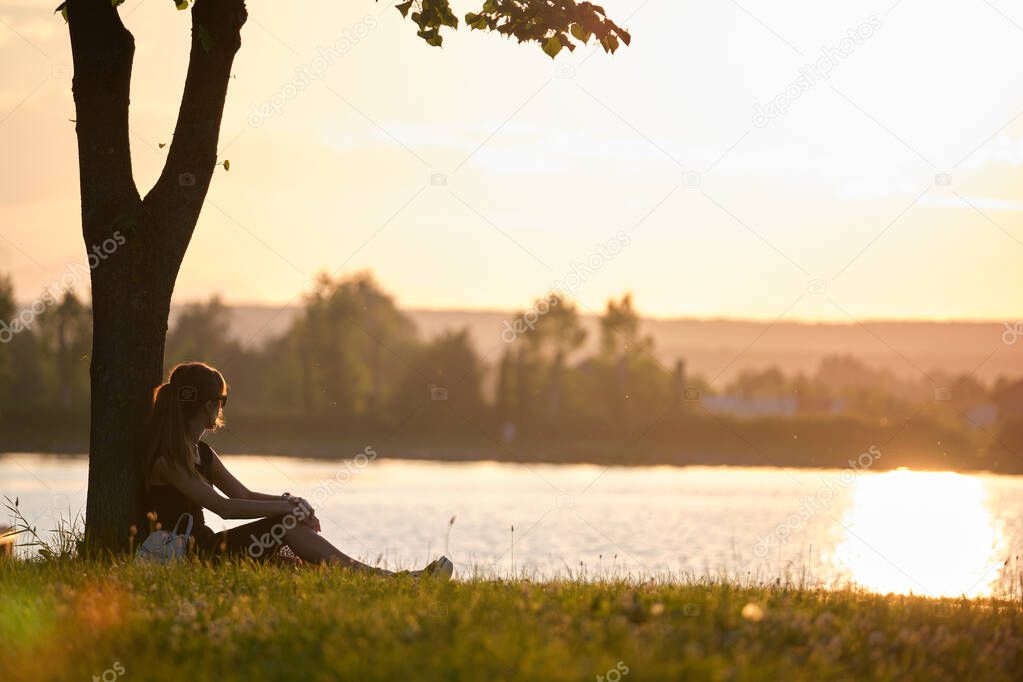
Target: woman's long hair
{"points": [[175, 402]]}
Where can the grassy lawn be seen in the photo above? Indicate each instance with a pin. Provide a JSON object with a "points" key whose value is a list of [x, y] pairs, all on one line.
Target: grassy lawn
{"points": [[77, 620]]}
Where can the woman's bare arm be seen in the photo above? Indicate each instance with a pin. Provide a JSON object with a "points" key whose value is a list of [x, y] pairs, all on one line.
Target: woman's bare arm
{"points": [[205, 495], [231, 486], [235, 489]]}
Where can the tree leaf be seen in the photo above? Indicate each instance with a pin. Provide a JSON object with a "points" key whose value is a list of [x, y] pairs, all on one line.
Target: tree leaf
{"points": [[404, 8], [181, 4], [475, 21], [552, 46], [432, 37], [580, 33], [227, 165]]}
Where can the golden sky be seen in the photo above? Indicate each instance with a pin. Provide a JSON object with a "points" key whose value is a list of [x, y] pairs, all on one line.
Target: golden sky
{"points": [[476, 175]]}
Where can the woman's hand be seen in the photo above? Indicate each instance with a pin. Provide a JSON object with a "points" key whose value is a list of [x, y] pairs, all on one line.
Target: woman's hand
{"points": [[304, 511], [312, 522]]}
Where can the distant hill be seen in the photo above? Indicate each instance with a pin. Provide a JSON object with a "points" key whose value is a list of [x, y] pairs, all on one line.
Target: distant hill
{"points": [[720, 348]]}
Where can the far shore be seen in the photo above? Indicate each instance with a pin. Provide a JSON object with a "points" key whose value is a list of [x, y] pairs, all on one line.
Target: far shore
{"points": [[811, 442]]}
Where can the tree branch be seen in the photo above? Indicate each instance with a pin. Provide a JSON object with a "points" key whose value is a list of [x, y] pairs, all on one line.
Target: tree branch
{"points": [[102, 50], [182, 187]]}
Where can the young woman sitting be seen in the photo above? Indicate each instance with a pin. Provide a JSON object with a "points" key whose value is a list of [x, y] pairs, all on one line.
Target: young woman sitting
{"points": [[184, 475]]}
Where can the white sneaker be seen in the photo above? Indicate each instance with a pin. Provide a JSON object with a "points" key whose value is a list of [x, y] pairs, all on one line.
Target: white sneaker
{"points": [[440, 568]]}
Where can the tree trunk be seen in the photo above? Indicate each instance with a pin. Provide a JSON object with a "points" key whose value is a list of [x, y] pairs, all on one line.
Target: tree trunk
{"points": [[137, 245], [130, 325]]}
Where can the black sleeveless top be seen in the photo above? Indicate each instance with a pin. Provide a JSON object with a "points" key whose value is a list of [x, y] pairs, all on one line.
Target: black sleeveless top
{"points": [[168, 504]]}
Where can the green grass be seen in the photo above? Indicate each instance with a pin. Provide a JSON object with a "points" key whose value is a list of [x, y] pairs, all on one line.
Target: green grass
{"points": [[75, 620]]}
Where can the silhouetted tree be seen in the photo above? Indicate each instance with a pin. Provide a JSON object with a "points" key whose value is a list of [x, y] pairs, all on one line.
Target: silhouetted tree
{"points": [[534, 380], [351, 341], [557, 335], [445, 378], [24, 383], [202, 331], [64, 333], [619, 337], [504, 393], [6, 335], [525, 383], [629, 385]]}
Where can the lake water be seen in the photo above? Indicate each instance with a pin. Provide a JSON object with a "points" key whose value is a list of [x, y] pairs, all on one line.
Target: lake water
{"points": [[898, 531]]}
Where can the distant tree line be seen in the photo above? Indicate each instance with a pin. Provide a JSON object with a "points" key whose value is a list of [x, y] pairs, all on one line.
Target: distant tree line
{"points": [[351, 361]]}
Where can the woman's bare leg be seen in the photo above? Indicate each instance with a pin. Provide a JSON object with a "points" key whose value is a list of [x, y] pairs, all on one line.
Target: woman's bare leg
{"points": [[308, 545]]}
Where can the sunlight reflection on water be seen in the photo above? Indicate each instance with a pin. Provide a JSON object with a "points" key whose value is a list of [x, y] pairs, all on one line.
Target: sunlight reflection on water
{"points": [[899, 531], [925, 532]]}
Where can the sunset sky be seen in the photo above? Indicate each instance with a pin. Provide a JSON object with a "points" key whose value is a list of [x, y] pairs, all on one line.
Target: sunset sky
{"points": [[475, 175]]}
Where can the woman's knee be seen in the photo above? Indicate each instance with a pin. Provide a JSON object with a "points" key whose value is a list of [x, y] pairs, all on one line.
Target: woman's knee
{"points": [[297, 529]]}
